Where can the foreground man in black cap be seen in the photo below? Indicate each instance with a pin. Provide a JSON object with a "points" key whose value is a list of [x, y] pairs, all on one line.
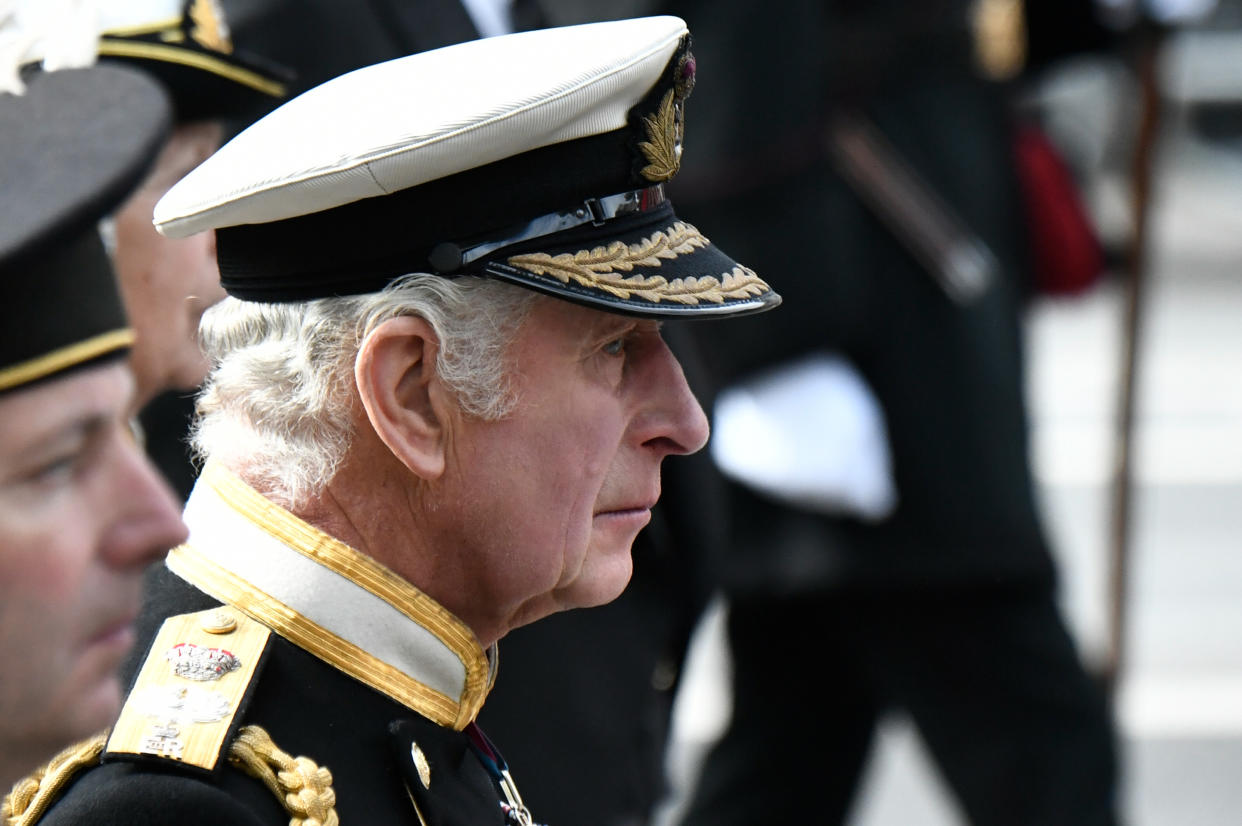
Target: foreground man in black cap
{"points": [[403, 467], [81, 511]]}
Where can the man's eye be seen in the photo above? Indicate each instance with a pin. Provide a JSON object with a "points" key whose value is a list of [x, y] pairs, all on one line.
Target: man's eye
{"points": [[55, 471], [615, 348]]}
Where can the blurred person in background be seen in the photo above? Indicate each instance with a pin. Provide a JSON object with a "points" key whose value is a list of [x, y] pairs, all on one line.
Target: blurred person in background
{"points": [[885, 553], [82, 512], [215, 85], [590, 717]]}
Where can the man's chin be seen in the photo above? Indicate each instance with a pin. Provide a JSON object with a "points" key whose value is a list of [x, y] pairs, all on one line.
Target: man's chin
{"points": [[604, 583]]}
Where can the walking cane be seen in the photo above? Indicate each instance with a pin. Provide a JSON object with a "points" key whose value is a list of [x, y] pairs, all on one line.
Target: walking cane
{"points": [[1147, 44]]}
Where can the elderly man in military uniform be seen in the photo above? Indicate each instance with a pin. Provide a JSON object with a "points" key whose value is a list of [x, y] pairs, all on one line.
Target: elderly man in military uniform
{"points": [[438, 408], [81, 511]]}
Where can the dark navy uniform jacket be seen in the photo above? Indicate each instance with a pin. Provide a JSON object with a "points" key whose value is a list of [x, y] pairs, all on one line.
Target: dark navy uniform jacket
{"points": [[345, 665]]}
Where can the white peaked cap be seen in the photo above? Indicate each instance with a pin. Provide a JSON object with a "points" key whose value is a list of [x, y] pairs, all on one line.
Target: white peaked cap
{"points": [[418, 118], [392, 133]]}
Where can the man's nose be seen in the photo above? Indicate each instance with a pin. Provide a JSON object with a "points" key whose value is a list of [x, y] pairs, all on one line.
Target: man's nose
{"points": [[675, 420], [147, 521]]}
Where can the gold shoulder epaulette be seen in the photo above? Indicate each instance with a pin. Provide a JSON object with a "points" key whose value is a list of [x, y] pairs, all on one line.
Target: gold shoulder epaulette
{"points": [[190, 689]]}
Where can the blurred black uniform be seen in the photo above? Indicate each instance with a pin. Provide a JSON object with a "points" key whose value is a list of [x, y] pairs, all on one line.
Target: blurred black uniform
{"points": [[946, 608]]}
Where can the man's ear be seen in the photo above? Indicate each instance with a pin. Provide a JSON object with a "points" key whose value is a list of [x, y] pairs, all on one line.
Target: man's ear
{"points": [[401, 393]]}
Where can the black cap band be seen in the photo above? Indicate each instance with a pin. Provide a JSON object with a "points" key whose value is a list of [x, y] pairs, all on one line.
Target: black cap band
{"points": [[61, 310]]}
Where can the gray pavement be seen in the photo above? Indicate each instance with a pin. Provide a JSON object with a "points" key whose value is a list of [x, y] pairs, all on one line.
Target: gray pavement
{"points": [[1180, 697]]}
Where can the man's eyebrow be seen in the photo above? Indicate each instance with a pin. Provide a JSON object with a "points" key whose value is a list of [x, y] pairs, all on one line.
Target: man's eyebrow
{"points": [[620, 323], [84, 426]]}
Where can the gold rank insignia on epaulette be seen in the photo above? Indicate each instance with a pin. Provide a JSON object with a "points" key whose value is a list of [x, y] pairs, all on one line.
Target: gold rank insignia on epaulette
{"points": [[190, 689]]}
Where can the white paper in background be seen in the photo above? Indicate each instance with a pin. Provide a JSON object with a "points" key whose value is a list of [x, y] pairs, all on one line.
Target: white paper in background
{"points": [[1165, 11], [811, 433]]}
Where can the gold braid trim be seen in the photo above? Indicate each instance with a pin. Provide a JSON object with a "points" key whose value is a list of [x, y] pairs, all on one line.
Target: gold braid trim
{"points": [[303, 787], [594, 268], [31, 797]]}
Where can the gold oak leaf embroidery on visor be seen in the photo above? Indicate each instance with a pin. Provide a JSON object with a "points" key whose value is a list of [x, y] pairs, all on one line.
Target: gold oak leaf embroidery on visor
{"points": [[596, 269]]}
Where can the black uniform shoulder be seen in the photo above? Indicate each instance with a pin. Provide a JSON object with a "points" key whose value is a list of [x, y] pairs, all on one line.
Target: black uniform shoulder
{"points": [[123, 793]]}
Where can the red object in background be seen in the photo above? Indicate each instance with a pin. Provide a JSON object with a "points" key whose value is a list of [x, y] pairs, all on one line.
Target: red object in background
{"points": [[1067, 257]]}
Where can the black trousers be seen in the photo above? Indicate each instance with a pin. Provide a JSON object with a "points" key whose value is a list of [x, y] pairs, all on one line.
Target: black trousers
{"points": [[990, 677]]}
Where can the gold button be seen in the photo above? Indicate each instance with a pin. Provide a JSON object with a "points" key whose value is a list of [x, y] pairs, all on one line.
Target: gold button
{"points": [[420, 763], [219, 622]]}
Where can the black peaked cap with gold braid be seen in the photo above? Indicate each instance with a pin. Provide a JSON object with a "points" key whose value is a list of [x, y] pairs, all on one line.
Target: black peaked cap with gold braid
{"points": [[188, 46], [75, 144], [536, 158]]}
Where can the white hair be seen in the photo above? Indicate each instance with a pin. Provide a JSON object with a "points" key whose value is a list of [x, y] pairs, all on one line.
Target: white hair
{"points": [[279, 398]]}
